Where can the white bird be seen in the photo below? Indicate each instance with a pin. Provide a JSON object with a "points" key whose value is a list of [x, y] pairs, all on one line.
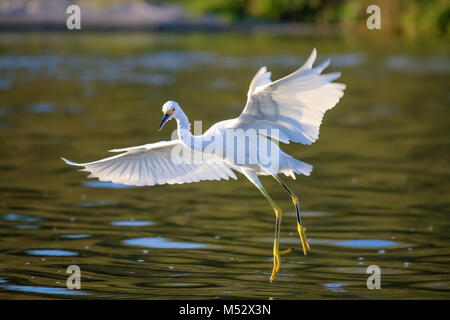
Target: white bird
{"points": [[288, 109]]}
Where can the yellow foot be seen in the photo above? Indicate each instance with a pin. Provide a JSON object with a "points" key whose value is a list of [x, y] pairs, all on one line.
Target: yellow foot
{"points": [[284, 252], [276, 264], [301, 232], [277, 261]]}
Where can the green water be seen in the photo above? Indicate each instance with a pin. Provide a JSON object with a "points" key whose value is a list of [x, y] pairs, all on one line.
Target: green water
{"points": [[378, 195]]}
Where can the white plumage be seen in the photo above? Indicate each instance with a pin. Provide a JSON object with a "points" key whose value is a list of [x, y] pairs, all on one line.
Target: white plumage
{"points": [[152, 164], [288, 109], [294, 104]]}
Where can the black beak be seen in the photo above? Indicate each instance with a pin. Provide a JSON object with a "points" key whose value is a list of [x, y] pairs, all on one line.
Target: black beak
{"points": [[164, 120]]}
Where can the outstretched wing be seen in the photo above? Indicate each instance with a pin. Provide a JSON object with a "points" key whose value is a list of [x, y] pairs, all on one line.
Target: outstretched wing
{"points": [[157, 163], [294, 105]]}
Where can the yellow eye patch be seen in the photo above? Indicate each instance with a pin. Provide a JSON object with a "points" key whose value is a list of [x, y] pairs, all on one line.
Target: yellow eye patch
{"points": [[170, 111]]}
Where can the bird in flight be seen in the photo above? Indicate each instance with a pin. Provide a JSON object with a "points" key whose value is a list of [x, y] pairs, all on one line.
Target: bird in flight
{"points": [[285, 110]]}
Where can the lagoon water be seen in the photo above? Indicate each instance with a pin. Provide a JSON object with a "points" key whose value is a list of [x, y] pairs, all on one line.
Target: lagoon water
{"points": [[378, 194]]}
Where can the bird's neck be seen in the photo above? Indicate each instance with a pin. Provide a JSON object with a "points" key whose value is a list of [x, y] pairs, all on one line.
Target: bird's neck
{"points": [[183, 122], [184, 130]]}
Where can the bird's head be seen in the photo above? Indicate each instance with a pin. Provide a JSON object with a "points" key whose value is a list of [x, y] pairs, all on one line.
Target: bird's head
{"points": [[170, 110]]}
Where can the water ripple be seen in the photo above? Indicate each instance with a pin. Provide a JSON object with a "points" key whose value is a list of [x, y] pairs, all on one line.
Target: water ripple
{"points": [[20, 217], [75, 236], [45, 290], [131, 223], [50, 252], [162, 243], [361, 243], [105, 184]]}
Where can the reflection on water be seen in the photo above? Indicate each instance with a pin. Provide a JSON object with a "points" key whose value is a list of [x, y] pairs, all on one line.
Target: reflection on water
{"points": [[20, 217], [94, 203], [41, 107], [367, 243], [162, 243], [25, 226], [377, 194], [49, 252], [363, 243], [105, 184], [131, 223], [75, 236], [43, 290], [435, 64], [335, 287]]}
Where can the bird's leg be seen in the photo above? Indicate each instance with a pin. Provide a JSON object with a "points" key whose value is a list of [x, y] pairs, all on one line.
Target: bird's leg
{"points": [[300, 228], [276, 244], [276, 250]]}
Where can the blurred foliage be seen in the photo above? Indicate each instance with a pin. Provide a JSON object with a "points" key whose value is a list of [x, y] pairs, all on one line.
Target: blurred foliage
{"points": [[410, 17]]}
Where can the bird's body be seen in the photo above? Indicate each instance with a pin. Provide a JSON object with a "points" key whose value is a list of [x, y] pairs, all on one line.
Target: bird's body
{"points": [[289, 109]]}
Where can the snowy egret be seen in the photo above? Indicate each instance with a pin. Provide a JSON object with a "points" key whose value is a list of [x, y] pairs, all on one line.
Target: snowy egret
{"points": [[288, 109]]}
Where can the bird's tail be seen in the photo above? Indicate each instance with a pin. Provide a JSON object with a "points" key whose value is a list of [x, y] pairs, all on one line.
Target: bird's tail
{"points": [[293, 165]]}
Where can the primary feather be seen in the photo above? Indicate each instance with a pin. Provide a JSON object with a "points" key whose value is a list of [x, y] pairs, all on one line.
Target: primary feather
{"points": [[294, 105], [153, 164]]}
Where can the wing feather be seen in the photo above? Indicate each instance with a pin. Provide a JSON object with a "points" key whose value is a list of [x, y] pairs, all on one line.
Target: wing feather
{"points": [[152, 164], [294, 105]]}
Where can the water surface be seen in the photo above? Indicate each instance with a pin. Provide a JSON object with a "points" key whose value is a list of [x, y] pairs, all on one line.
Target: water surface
{"points": [[379, 192]]}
